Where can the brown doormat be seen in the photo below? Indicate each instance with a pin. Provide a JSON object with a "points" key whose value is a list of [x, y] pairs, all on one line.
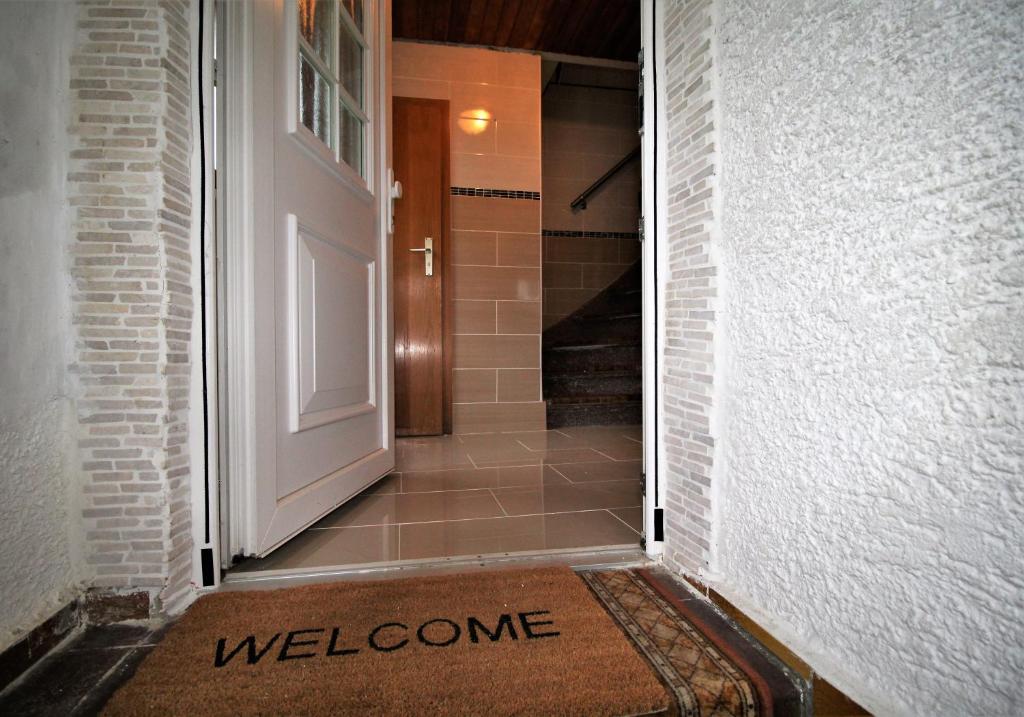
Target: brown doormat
{"points": [[496, 643]]}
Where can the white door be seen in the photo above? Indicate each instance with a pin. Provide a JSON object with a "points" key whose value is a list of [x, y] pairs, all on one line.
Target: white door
{"points": [[321, 418]]}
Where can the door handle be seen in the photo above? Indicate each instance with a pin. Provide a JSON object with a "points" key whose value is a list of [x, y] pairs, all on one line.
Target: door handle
{"points": [[428, 256]]}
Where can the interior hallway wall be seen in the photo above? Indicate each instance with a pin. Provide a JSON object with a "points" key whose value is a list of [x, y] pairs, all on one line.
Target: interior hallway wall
{"points": [[495, 239], [40, 554], [586, 131], [870, 401]]}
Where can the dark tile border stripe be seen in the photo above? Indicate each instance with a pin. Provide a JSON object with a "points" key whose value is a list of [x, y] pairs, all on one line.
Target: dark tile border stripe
{"points": [[495, 193], [589, 235]]}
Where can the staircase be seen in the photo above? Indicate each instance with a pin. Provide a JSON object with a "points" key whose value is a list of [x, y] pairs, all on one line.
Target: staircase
{"points": [[592, 359]]}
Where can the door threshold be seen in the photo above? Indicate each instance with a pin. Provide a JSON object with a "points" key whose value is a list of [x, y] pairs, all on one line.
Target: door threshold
{"points": [[612, 556]]}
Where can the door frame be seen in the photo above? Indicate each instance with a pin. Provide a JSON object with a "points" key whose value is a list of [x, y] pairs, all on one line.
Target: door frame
{"points": [[444, 249], [228, 298], [652, 230]]}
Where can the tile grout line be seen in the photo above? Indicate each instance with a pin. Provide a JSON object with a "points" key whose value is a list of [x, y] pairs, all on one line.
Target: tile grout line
{"points": [[495, 496], [519, 486], [500, 487], [463, 520], [555, 469], [612, 514]]}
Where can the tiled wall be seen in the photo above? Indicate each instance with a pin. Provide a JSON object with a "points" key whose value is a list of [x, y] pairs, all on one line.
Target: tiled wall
{"points": [[496, 246], [586, 132]]}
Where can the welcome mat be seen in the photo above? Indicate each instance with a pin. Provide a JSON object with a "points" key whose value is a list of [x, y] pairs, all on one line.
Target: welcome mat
{"points": [[525, 642]]}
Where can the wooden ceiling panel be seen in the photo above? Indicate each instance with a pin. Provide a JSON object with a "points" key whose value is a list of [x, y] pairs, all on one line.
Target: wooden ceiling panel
{"points": [[442, 17], [589, 28], [507, 23], [474, 21], [457, 19], [615, 18], [536, 27]]}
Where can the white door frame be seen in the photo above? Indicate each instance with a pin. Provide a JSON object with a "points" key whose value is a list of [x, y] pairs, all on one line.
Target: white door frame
{"points": [[231, 296], [204, 395], [653, 250]]}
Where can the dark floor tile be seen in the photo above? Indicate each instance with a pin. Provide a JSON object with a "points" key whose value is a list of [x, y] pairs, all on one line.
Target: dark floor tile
{"points": [[106, 636], [21, 656], [95, 700], [60, 682]]}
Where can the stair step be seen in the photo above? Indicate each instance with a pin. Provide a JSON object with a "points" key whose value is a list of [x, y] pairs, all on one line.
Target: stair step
{"points": [[606, 318], [592, 384], [598, 398], [593, 347], [605, 329], [592, 358], [562, 415]]}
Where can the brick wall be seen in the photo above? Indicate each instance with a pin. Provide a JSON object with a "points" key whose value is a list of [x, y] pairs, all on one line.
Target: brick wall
{"points": [[129, 193], [691, 285]]}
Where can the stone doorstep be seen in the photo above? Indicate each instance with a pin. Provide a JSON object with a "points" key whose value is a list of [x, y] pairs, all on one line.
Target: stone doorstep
{"points": [[95, 607]]}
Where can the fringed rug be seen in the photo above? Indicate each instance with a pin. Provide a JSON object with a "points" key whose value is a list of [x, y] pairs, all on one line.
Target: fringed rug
{"points": [[703, 672]]}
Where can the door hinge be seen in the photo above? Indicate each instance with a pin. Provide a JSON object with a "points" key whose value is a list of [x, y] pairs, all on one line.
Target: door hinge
{"points": [[640, 93], [640, 228]]}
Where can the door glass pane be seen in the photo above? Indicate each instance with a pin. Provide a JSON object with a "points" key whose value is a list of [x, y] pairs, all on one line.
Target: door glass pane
{"points": [[352, 140], [315, 26], [314, 101], [354, 8], [350, 61]]}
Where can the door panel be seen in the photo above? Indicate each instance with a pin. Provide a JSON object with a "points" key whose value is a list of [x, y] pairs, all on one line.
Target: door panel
{"points": [[422, 373], [322, 391], [332, 357]]}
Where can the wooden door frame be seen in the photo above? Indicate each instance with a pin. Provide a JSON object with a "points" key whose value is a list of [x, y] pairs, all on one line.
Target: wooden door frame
{"points": [[447, 315], [442, 247]]}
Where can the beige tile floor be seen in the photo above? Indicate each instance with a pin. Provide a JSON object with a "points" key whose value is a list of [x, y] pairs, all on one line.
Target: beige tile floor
{"points": [[484, 494]]}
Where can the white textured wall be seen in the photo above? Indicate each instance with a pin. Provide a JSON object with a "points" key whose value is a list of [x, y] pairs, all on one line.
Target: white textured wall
{"points": [[873, 254], [39, 565]]}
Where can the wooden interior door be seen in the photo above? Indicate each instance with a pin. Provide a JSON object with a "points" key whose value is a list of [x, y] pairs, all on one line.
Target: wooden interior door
{"points": [[422, 356]]}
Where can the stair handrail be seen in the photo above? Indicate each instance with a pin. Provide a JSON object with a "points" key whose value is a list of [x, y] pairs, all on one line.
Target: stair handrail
{"points": [[580, 202]]}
